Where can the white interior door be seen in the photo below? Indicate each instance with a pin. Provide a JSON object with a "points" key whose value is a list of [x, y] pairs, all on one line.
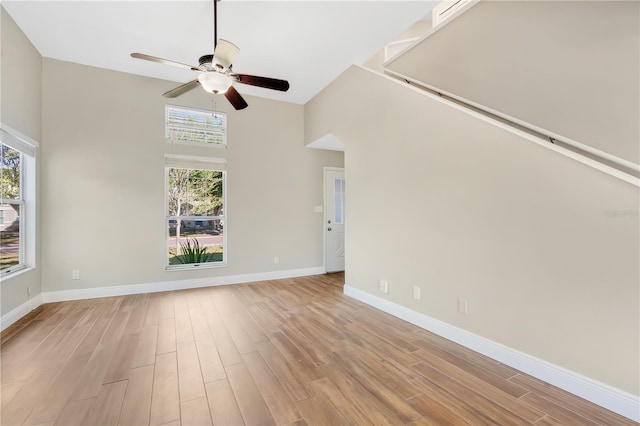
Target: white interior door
{"points": [[334, 218]]}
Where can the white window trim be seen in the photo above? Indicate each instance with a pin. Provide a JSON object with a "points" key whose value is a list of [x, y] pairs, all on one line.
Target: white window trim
{"points": [[28, 147], [19, 141], [189, 143], [195, 163]]}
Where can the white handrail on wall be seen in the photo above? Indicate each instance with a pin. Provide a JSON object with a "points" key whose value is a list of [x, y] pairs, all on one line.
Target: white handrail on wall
{"points": [[603, 161]]}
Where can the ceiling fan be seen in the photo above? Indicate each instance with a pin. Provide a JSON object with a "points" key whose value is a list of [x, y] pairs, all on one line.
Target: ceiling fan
{"points": [[216, 74]]}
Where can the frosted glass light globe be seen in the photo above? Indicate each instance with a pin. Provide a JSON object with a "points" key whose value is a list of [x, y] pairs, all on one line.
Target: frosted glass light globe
{"points": [[214, 82]]}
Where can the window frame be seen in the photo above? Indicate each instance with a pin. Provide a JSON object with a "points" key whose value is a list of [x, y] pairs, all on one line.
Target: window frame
{"points": [[27, 148], [195, 163], [170, 140]]}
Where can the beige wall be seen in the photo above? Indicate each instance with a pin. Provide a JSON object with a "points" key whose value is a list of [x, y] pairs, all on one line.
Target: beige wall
{"points": [[440, 199], [21, 99], [103, 201], [570, 67]]}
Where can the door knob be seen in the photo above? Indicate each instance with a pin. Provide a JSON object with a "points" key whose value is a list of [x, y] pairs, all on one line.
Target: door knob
{"points": [[329, 229]]}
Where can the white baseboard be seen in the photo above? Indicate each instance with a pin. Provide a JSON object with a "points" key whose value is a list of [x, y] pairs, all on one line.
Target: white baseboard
{"points": [[123, 290], [613, 399], [22, 310]]}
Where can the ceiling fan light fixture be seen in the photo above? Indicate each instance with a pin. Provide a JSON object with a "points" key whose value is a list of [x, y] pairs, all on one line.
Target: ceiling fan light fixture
{"points": [[215, 71], [214, 82]]}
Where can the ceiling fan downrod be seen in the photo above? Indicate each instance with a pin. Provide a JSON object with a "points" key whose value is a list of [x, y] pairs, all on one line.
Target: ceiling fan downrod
{"points": [[215, 24]]}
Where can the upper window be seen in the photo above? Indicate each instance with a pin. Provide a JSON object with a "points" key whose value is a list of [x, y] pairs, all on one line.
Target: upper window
{"points": [[195, 217], [192, 126], [17, 202]]}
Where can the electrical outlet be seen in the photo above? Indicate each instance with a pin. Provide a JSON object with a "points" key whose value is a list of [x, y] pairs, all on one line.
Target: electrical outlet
{"points": [[416, 292], [463, 307], [384, 286], [75, 274], [276, 260]]}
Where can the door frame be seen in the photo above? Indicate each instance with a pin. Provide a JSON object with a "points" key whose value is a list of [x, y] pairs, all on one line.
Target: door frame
{"points": [[324, 211]]}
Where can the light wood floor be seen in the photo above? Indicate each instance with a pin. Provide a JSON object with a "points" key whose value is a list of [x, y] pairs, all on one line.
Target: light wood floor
{"points": [[287, 352]]}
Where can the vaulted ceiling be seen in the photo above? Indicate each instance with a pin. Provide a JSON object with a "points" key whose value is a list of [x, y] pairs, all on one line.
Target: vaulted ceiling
{"points": [[308, 43]]}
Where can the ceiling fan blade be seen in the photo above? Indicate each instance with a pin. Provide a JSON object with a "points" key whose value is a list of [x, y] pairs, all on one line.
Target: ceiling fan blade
{"points": [[174, 93], [225, 53], [235, 98], [163, 61], [266, 82]]}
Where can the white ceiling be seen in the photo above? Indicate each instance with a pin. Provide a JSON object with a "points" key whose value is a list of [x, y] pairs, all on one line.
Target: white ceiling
{"points": [[308, 43]]}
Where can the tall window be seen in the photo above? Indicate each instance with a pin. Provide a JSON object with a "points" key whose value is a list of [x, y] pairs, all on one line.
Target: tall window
{"points": [[193, 126], [17, 202], [11, 206], [195, 217]]}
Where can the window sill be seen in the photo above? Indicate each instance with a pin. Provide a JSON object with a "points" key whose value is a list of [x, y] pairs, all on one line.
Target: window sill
{"points": [[198, 144], [195, 266], [15, 271]]}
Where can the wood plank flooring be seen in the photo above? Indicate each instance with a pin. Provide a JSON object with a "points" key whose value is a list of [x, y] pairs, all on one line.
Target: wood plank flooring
{"points": [[286, 352]]}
